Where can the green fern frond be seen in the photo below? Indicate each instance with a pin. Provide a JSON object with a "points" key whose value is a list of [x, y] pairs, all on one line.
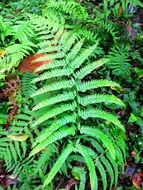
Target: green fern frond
{"points": [[89, 68], [96, 113], [24, 117], [102, 173], [74, 51], [114, 165], [15, 143], [119, 61], [54, 64], [27, 87], [94, 142], [83, 32], [14, 55], [19, 123], [110, 27], [56, 99], [120, 158], [69, 41], [55, 126], [65, 153], [75, 157], [121, 144], [90, 164], [55, 86], [96, 133], [108, 166], [54, 112], [51, 74], [84, 86], [61, 133], [44, 158], [64, 107], [12, 152], [100, 98], [72, 8], [79, 60], [49, 49], [23, 30], [20, 49]]}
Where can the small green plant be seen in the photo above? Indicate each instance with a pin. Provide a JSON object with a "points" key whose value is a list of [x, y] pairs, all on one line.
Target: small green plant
{"points": [[119, 61]]}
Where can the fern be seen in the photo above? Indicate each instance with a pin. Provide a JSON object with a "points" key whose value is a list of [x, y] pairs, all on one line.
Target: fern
{"points": [[90, 164], [15, 148], [21, 43], [100, 135], [27, 87], [14, 54], [99, 98], [69, 103], [59, 163], [23, 31], [108, 166], [119, 61], [102, 173], [63, 132], [109, 27], [71, 8], [63, 12]]}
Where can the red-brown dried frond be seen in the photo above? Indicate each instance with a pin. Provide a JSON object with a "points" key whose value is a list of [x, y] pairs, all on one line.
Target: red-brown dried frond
{"points": [[32, 62], [12, 85], [12, 113]]}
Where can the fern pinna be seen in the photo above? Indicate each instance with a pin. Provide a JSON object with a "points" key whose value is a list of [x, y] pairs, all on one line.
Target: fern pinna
{"points": [[68, 110]]}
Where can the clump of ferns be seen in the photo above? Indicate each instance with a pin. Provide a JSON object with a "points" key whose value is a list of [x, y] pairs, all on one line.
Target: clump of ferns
{"points": [[119, 60], [70, 12], [18, 41], [67, 110]]}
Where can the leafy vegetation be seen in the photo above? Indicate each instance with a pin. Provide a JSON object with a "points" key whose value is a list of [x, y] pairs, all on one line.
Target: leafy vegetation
{"points": [[71, 113]]}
